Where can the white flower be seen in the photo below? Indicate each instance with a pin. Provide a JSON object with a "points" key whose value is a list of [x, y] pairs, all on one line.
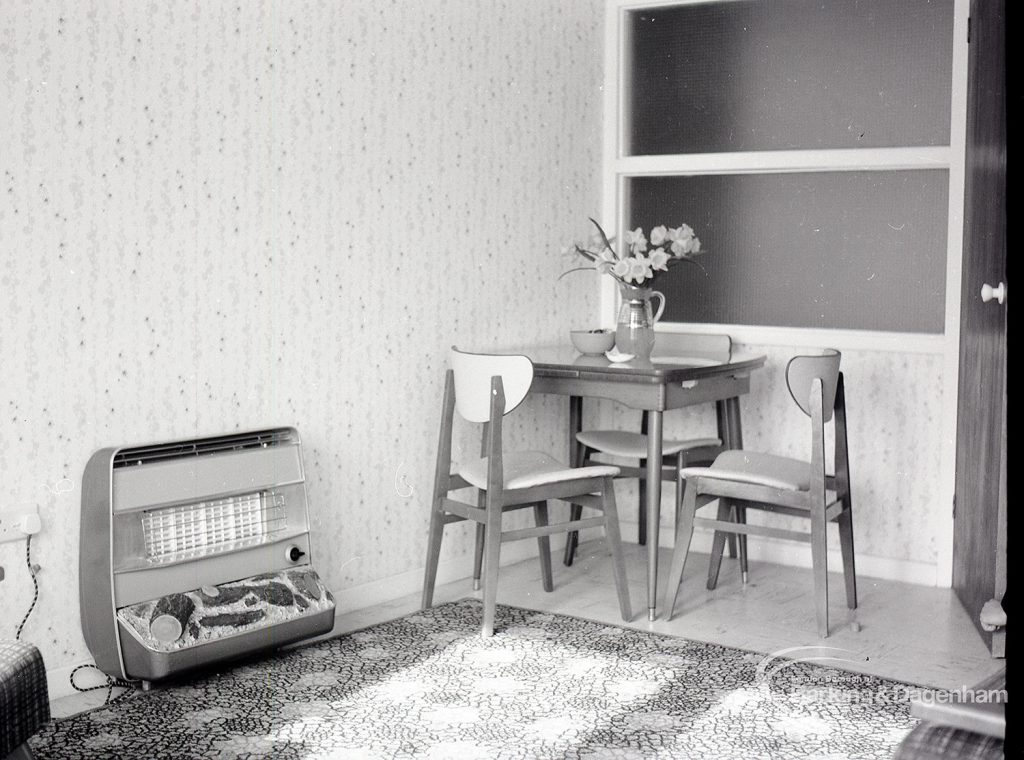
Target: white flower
{"points": [[636, 241], [639, 269], [685, 246], [659, 259], [640, 258], [682, 232]]}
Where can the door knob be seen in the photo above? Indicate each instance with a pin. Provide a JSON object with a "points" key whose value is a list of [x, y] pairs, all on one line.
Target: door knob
{"points": [[998, 292]]}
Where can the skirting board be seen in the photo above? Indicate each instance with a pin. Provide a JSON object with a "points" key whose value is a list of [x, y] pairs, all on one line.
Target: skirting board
{"points": [[760, 550], [794, 554], [448, 571]]}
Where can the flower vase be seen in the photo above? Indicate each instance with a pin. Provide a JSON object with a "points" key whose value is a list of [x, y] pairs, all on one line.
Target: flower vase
{"points": [[634, 330]]}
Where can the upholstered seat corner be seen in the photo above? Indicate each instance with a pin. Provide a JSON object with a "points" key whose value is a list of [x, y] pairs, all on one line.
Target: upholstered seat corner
{"points": [[24, 698]]}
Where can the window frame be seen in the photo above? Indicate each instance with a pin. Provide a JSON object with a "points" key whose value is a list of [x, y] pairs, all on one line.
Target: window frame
{"points": [[619, 168]]}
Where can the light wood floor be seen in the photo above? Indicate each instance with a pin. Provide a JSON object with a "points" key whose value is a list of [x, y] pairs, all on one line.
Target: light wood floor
{"points": [[909, 633]]}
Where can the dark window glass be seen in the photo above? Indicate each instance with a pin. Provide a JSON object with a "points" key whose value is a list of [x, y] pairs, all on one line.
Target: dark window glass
{"points": [[851, 250], [789, 74]]}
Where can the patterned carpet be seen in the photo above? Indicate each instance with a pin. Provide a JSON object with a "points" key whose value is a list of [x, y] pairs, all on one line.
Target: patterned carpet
{"points": [[546, 686]]}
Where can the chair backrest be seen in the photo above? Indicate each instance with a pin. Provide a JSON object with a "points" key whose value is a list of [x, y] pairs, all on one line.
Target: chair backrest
{"points": [[473, 373], [801, 372], [688, 344]]}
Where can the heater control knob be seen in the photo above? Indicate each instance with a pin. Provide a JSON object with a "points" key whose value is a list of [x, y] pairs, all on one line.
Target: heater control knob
{"points": [[294, 553]]}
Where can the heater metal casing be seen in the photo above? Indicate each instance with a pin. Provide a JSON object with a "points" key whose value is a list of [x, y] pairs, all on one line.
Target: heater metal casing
{"points": [[171, 518]]}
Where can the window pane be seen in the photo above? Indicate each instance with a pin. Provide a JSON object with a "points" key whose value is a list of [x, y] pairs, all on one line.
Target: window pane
{"points": [[790, 74], [851, 250]]}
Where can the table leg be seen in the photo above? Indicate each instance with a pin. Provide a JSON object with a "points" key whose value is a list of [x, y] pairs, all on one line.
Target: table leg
{"points": [[736, 442], [654, 449], [641, 492], [575, 460], [732, 406], [725, 433], [575, 426]]}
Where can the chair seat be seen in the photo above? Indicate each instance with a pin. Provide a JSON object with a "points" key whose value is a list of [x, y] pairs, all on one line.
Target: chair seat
{"points": [[525, 469], [756, 468], [620, 443]]}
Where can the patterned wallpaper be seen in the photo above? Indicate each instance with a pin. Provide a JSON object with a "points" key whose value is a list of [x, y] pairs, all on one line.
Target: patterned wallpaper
{"points": [[219, 216]]}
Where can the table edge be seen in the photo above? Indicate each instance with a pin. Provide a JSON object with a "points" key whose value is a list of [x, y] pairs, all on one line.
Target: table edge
{"points": [[656, 374]]}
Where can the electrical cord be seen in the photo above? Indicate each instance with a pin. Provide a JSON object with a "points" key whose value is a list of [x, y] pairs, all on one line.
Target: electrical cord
{"points": [[128, 686], [35, 584]]}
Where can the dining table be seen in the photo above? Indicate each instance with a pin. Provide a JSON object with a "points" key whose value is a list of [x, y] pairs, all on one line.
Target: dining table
{"points": [[657, 385]]}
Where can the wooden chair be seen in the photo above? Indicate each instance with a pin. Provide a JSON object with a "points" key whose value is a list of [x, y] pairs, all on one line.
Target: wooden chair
{"points": [[739, 480], [677, 454], [484, 388]]}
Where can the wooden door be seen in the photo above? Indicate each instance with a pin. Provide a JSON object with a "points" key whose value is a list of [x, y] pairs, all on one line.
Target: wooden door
{"points": [[979, 521]]}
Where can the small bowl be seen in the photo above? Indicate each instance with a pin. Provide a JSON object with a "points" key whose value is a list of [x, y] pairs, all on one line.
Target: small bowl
{"points": [[592, 342]]}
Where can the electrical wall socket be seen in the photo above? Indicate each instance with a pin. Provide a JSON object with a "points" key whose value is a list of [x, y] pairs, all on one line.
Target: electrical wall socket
{"points": [[11, 521]]}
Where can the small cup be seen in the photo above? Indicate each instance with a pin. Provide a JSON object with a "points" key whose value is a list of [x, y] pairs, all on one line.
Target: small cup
{"points": [[592, 342]]}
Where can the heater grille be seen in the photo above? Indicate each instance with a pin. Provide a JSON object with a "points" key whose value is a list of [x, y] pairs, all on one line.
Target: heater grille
{"points": [[257, 440], [186, 531]]}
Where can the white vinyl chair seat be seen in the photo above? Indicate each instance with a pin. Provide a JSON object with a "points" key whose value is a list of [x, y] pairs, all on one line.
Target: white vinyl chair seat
{"points": [[620, 443], [525, 469], [760, 469]]}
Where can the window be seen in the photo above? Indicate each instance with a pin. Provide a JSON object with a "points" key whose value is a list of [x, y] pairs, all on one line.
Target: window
{"points": [[809, 146]]}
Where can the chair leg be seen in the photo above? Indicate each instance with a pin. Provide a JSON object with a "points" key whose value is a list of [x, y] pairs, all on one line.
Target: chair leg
{"points": [[581, 458], [492, 554], [845, 521], [478, 546], [540, 516], [572, 539], [741, 541], [734, 439], [433, 554], [642, 512], [611, 534], [478, 555], [684, 533], [718, 546], [680, 488], [819, 561]]}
